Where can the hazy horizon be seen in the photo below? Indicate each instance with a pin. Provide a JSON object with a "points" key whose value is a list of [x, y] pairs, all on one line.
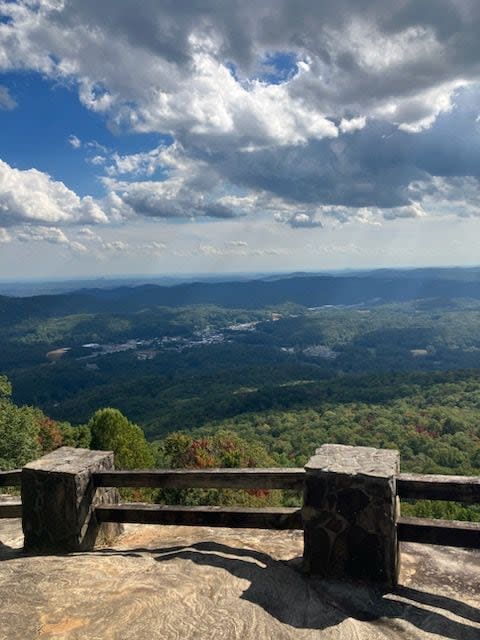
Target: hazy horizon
{"points": [[225, 274]]}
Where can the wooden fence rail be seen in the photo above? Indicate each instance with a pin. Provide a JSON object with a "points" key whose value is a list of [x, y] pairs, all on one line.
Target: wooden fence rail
{"points": [[10, 509], [464, 489], [448, 533], [11, 478], [244, 518], [251, 478]]}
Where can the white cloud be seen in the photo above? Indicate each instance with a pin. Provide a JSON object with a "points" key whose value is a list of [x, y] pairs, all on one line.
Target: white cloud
{"points": [[452, 196], [32, 196], [413, 210], [115, 246], [354, 124], [190, 189], [246, 146], [87, 234], [4, 236], [52, 235], [149, 91], [125, 248], [381, 58], [420, 112], [232, 251], [47, 234], [74, 142], [152, 248], [299, 220], [137, 164], [236, 243], [99, 161], [7, 103]]}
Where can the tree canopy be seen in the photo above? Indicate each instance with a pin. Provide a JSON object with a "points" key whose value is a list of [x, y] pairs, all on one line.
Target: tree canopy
{"points": [[112, 431]]}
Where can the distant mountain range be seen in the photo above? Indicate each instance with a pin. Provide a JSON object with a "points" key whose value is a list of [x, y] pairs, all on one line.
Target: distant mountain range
{"points": [[377, 287]]}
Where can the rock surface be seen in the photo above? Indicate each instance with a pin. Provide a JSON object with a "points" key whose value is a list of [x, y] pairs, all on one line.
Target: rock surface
{"points": [[169, 583], [347, 460]]}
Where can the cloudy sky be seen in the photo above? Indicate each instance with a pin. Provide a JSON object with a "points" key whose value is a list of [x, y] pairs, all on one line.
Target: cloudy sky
{"points": [[161, 136]]}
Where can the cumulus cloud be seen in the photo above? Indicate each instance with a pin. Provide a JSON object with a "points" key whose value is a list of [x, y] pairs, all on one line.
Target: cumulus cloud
{"points": [[452, 195], [48, 234], [354, 124], [298, 220], [353, 59], [338, 117], [190, 188], [4, 236], [52, 235], [116, 246], [135, 164], [186, 88], [413, 210], [33, 196]]}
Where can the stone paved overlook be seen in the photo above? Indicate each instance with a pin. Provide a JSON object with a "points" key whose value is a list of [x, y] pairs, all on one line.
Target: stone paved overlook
{"points": [[185, 583]]}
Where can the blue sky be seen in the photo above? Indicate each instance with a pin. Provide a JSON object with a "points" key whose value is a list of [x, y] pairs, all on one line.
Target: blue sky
{"points": [[36, 132], [211, 138]]}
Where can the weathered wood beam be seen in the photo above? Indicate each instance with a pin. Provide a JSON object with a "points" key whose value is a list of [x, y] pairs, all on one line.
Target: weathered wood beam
{"points": [[233, 517], [10, 510], [250, 478], [465, 489], [11, 478], [448, 533]]}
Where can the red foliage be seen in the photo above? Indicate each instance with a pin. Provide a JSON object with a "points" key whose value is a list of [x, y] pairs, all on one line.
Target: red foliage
{"points": [[49, 435], [424, 431], [258, 493]]}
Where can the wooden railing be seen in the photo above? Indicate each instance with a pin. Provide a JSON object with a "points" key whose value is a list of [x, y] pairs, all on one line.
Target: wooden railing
{"points": [[465, 490], [447, 533], [409, 486], [235, 517], [12, 508], [241, 517], [453, 533], [251, 478], [11, 478]]}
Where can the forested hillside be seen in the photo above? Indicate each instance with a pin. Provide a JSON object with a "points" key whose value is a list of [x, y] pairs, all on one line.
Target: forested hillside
{"points": [[179, 368], [276, 380]]}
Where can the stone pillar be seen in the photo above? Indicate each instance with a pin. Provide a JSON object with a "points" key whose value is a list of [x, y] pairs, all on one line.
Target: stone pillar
{"points": [[58, 498], [350, 512]]}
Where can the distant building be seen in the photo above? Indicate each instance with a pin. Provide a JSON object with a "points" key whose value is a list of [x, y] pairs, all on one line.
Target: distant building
{"points": [[320, 351], [146, 355]]}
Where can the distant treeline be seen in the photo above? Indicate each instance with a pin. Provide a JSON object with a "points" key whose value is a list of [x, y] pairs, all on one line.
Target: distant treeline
{"points": [[306, 290]]}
